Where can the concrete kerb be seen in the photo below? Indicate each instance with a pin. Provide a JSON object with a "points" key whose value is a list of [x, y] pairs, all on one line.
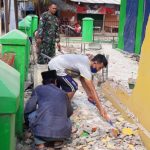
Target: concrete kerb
{"points": [[120, 100], [37, 73]]}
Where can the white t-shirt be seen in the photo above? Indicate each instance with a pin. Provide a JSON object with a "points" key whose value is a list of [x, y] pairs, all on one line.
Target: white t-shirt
{"points": [[74, 62]]}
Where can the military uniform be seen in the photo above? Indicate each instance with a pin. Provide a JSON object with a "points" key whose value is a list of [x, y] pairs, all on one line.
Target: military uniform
{"points": [[49, 33]]}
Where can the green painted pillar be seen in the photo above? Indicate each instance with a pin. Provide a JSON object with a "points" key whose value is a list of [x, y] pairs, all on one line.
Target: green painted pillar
{"points": [[9, 103], [139, 26], [122, 21], [87, 30], [17, 42]]}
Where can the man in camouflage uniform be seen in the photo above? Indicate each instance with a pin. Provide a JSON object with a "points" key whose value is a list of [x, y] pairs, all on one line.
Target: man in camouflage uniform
{"points": [[48, 34]]}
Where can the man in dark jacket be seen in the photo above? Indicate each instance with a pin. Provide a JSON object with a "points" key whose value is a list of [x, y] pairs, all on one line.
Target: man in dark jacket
{"points": [[48, 111]]}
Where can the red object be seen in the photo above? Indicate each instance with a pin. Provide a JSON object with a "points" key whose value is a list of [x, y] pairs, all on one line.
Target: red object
{"points": [[106, 10], [94, 129], [8, 58], [81, 9], [100, 10], [77, 28]]}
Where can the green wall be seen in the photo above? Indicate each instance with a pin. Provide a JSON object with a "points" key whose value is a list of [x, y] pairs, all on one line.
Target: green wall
{"points": [[122, 21]]}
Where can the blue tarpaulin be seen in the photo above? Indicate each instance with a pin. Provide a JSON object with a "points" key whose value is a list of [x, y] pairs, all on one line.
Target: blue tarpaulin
{"points": [[130, 26]]}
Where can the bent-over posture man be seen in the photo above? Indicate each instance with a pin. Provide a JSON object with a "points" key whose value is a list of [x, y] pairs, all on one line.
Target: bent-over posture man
{"points": [[81, 66]]}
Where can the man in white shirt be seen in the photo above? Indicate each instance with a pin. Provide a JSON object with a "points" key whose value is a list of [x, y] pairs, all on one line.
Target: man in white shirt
{"points": [[68, 66]]}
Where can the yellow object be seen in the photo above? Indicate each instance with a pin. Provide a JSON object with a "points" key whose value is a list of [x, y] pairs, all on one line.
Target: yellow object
{"points": [[139, 101], [104, 140], [136, 132], [127, 131]]}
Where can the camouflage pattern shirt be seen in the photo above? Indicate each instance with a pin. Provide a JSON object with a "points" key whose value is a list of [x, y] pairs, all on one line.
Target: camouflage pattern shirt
{"points": [[49, 28], [49, 33]]}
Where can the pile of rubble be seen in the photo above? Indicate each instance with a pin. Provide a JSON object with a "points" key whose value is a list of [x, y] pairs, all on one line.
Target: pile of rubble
{"points": [[91, 132]]}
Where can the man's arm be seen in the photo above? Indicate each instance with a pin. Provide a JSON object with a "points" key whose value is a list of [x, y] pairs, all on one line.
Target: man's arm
{"points": [[41, 29], [91, 92], [57, 31], [57, 35]]}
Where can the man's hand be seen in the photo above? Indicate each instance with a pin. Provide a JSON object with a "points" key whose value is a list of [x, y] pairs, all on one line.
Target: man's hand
{"points": [[59, 48], [38, 41], [102, 111], [104, 114]]}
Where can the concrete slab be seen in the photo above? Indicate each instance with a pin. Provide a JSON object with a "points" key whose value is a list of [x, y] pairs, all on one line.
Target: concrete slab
{"points": [[37, 73]]}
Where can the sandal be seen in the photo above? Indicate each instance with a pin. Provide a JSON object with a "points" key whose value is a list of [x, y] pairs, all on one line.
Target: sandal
{"points": [[59, 144], [43, 148], [37, 148]]}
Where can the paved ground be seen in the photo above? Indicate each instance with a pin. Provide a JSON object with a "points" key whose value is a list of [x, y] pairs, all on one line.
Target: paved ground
{"points": [[90, 131]]}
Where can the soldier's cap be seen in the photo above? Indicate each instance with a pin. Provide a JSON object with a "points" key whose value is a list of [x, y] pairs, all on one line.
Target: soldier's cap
{"points": [[49, 75]]}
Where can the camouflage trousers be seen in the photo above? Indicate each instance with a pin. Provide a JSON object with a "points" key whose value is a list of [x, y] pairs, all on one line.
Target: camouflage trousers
{"points": [[47, 49]]}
